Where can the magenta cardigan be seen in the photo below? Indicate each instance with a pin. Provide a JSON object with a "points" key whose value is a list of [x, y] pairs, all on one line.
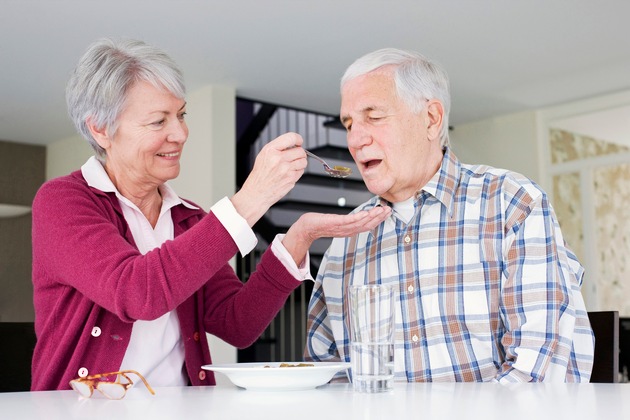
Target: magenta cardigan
{"points": [[91, 283]]}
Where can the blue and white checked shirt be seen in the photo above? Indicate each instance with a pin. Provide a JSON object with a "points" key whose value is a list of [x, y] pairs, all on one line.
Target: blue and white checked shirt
{"points": [[488, 289]]}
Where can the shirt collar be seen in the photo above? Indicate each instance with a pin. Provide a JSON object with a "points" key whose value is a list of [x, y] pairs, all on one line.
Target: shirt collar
{"points": [[444, 183], [442, 186], [96, 177]]}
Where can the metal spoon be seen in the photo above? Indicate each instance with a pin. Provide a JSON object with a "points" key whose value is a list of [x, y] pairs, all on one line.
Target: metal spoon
{"points": [[334, 171]]}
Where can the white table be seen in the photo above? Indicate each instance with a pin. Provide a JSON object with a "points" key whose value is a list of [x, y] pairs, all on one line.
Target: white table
{"points": [[439, 401]]}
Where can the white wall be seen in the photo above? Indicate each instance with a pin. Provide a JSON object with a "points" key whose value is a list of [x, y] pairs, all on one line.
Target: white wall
{"points": [[208, 165], [67, 155], [509, 142]]}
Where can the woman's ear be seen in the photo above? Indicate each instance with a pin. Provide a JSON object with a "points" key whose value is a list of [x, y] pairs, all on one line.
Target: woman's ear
{"points": [[435, 114], [98, 133]]}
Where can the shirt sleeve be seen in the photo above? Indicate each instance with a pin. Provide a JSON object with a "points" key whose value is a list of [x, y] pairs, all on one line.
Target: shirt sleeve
{"points": [[320, 341], [320, 344], [236, 225], [538, 306], [302, 272]]}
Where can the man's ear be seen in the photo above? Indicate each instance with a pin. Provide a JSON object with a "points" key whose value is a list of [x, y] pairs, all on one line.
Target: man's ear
{"points": [[99, 133], [435, 114]]}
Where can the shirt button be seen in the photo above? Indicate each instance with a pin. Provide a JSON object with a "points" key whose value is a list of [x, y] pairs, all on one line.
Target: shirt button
{"points": [[196, 338], [407, 239], [410, 289], [96, 331], [83, 372], [414, 338], [202, 375]]}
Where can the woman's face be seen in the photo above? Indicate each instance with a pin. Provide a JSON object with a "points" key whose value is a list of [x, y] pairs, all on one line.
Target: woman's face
{"points": [[145, 150]]}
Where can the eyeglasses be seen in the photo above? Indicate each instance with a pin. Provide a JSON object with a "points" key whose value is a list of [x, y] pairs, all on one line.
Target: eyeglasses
{"points": [[112, 390]]}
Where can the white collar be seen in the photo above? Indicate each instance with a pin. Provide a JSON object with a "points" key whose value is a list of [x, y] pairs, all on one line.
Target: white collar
{"points": [[96, 177]]}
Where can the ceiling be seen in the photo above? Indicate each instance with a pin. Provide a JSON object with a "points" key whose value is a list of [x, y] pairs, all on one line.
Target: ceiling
{"points": [[502, 57]]}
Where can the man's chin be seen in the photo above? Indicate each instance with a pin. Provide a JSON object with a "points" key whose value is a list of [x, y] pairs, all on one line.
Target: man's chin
{"points": [[374, 188]]}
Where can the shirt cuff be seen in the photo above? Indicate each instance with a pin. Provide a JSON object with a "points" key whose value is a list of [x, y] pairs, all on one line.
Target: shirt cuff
{"points": [[236, 225], [301, 273]]}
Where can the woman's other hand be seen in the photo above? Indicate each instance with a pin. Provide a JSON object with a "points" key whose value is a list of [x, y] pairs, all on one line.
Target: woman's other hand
{"points": [[312, 226], [277, 168]]}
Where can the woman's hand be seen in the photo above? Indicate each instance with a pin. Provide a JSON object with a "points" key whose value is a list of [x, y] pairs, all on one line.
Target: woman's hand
{"points": [[277, 168], [312, 226]]}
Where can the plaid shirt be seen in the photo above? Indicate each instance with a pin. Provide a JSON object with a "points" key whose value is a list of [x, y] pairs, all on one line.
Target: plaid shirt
{"points": [[488, 289]]}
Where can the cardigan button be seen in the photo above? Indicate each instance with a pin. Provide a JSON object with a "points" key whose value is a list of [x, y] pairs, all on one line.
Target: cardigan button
{"points": [[96, 331], [83, 372], [196, 336], [202, 375]]}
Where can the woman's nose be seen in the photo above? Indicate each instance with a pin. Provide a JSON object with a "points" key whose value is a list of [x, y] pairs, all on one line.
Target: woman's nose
{"points": [[179, 132]]}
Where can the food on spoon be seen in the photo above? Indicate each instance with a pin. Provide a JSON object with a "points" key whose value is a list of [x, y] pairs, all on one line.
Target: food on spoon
{"points": [[342, 169]]}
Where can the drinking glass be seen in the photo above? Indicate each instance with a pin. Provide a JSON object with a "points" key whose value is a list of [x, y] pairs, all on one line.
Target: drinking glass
{"points": [[372, 337]]}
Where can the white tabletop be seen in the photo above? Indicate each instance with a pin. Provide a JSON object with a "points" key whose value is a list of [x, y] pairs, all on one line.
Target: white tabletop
{"points": [[443, 401]]}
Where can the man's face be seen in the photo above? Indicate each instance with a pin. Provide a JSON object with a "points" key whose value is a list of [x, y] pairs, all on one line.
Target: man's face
{"points": [[395, 151]]}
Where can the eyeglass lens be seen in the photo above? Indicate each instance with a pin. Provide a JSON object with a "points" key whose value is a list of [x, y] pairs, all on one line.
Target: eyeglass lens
{"points": [[82, 388], [111, 390]]}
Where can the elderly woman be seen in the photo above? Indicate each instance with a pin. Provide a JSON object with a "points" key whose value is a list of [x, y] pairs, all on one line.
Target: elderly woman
{"points": [[126, 274]]}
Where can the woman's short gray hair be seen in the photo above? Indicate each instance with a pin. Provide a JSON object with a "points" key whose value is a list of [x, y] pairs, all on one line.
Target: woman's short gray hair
{"points": [[99, 84], [416, 78]]}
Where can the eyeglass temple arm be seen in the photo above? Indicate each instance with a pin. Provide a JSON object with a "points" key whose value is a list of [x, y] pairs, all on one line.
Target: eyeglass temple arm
{"points": [[140, 376]]}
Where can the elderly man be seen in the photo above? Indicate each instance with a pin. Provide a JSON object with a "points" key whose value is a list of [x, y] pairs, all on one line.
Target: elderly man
{"points": [[487, 289]]}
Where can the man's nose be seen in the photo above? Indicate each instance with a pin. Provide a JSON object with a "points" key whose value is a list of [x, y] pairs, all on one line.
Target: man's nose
{"points": [[358, 136]]}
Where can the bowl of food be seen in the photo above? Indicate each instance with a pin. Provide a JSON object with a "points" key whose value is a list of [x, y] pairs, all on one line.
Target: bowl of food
{"points": [[279, 376]]}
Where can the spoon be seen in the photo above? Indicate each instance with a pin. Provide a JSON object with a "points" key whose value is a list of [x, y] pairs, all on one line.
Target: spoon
{"points": [[334, 171]]}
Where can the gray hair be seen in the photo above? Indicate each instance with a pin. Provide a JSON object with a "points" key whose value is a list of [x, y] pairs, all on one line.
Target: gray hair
{"points": [[99, 84], [416, 78]]}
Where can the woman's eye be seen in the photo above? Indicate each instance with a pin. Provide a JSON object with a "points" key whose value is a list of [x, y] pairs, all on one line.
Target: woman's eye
{"points": [[158, 123], [182, 116]]}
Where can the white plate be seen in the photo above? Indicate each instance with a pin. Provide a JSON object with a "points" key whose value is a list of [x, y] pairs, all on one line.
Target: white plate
{"points": [[255, 376]]}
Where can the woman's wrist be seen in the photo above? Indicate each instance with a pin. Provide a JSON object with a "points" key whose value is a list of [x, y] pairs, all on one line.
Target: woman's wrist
{"points": [[249, 208], [297, 242]]}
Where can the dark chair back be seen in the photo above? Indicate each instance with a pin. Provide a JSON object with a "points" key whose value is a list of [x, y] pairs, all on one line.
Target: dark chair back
{"points": [[17, 342], [624, 348], [605, 326]]}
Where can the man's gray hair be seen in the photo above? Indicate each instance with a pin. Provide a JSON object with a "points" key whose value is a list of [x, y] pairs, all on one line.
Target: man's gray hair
{"points": [[99, 84], [417, 79]]}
